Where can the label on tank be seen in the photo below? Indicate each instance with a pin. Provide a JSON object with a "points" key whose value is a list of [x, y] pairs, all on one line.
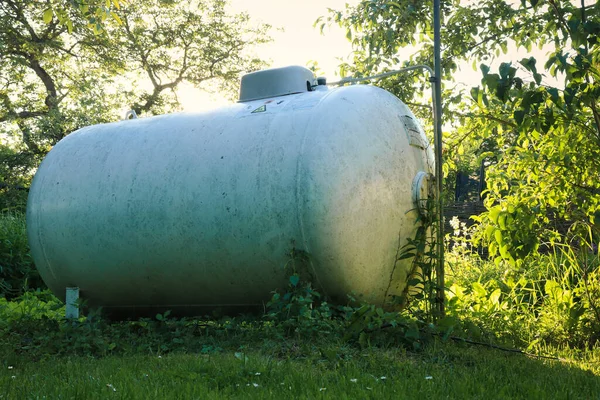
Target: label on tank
{"points": [[267, 106], [415, 138]]}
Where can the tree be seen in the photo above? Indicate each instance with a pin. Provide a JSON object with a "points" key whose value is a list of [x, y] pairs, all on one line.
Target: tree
{"points": [[56, 77], [96, 12], [544, 141], [176, 41]]}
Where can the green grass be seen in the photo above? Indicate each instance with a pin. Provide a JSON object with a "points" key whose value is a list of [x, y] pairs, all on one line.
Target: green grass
{"points": [[442, 370]]}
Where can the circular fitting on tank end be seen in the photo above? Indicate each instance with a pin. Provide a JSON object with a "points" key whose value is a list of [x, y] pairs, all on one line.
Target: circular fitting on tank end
{"points": [[420, 191]]}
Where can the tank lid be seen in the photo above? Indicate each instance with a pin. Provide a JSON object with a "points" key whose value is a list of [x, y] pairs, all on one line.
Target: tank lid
{"points": [[276, 82]]}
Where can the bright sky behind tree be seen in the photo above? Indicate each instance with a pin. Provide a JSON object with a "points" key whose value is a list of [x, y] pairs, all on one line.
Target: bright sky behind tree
{"points": [[295, 41]]}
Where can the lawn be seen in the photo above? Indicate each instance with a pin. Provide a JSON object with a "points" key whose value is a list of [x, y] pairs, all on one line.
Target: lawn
{"points": [[304, 369]]}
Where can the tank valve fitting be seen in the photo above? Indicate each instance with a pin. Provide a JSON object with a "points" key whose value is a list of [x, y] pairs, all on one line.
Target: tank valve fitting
{"points": [[421, 191]]}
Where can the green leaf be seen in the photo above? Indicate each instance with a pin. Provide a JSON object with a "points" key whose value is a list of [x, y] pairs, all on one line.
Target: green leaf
{"points": [[505, 70], [495, 296], [519, 116], [412, 333], [498, 237], [116, 17], [489, 231], [493, 214], [48, 14], [404, 256], [484, 69], [529, 64], [294, 279], [493, 248], [553, 94], [502, 221], [491, 81], [504, 251], [479, 289]]}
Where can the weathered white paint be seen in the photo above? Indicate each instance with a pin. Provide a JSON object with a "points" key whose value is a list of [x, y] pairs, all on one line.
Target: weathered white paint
{"points": [[192, 211]]}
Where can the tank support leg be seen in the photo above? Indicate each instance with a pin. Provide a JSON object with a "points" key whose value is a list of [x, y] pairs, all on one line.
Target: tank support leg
{"points": [[71, 300]]}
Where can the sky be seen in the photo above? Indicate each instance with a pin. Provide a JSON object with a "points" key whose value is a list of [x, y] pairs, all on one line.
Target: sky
{"points": [[298, 42]]}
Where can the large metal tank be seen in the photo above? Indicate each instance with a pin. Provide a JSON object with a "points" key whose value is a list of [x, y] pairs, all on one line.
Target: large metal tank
{"points": [[196, 211]]}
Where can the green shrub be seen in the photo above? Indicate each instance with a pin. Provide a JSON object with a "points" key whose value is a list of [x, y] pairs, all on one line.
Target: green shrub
{"points": [[16, 171], [550, 299], [17, 271]]}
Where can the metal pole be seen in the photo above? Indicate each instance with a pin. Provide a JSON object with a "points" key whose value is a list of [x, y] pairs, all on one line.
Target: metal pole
{"points": [[437, 129]]}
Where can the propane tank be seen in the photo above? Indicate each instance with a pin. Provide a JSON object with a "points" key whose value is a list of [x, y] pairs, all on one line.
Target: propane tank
{"points": [[197, 211]]}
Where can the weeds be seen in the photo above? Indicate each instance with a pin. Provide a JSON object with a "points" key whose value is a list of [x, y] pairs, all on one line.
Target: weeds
{"points": [[545, 299], [17, 272]]}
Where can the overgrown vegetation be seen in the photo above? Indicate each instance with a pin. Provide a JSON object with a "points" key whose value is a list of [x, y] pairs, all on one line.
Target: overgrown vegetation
{"points": [[538, 290], [549, 298], [17, 271]]}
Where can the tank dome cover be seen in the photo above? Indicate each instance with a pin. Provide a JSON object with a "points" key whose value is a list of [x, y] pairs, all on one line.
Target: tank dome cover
{"points": [[276, 82]]}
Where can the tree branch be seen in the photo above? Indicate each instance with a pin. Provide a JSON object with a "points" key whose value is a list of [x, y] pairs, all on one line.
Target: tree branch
{"points": [[23, 20], [561, 17], [51, 100], [21, 115]]}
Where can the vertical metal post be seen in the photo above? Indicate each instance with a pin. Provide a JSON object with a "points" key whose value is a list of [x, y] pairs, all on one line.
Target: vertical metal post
{"points": [[72, 310], [437, 105]]}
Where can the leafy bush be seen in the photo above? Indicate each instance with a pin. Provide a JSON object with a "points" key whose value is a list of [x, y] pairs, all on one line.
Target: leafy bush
{"points": [[545, 298], [35, 324], [16, 171], [17, 271]]}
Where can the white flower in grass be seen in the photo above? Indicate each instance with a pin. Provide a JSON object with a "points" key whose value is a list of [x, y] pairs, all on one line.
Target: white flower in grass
{"points": [[255, 384], [322, 389], [383, 378], [10, 367], [257, 374], [353, 380], [110, 386], [13, 377], [429, 377]]}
